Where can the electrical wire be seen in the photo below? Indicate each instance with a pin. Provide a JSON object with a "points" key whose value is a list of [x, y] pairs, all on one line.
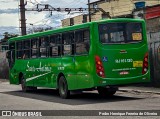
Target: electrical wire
{"points": [[45, 21], [32, 2], [76, 3], [73, 2], [36, 1]]}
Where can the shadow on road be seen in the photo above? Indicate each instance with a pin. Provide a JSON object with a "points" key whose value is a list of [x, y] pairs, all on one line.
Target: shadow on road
{"points": [[51, 95]]}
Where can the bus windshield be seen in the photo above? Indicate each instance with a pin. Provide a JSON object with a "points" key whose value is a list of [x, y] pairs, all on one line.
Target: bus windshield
{"points": [[120, 32]]}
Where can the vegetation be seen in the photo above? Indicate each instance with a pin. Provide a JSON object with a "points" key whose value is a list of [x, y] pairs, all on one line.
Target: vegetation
{"points": [[8, 36]]}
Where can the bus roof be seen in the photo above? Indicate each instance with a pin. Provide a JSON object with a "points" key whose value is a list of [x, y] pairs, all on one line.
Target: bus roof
{"points": [[74, 27], [49, 32]]}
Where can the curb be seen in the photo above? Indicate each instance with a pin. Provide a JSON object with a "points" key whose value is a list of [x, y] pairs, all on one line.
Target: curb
{"points": [[138, 91]]}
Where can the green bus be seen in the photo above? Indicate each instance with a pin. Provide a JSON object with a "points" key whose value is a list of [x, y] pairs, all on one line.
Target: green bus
{"points": [[101, 55]]}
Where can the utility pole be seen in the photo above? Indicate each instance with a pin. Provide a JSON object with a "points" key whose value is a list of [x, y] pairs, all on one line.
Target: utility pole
{"points": [[23, 18], [89, 11]]}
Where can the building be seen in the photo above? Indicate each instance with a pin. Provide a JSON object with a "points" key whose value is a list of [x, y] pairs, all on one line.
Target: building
{"points": [[115, 8], [151, 14], [76, 20]]}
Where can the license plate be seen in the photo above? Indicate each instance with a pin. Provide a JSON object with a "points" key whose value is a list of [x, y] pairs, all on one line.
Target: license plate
{"points": [[124, 73], [137, 63]]}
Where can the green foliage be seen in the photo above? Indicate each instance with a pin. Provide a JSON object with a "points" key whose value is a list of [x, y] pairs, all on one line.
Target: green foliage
{"points": [[8, 36]]}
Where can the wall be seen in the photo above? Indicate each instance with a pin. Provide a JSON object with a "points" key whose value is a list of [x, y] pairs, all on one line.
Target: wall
{"points": [[153, 25], [4, 69], [154, 53], [114, 7], [78, 19], [65, 22], [117, 8]]}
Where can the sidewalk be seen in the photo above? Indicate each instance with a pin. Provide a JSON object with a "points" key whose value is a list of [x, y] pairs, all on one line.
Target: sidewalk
{"points": [[140, 89]]}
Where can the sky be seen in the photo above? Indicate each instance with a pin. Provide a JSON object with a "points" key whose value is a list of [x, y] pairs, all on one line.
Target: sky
{"points": [[10, 14]]}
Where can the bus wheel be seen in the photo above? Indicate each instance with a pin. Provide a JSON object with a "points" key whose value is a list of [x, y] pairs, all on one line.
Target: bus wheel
{"points": [[63, 88], [105, 92]]}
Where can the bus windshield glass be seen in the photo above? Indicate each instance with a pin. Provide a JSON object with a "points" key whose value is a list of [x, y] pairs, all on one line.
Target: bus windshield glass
{"points": [[128, 32]]}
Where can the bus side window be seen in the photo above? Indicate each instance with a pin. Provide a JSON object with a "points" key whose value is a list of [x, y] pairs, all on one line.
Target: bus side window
{"points": [[35, 48], [43, 46], [82, 40], [19, 46], [55, 43], [27, 49], [104, 37], [86, 39], [67, 47], [12, 46], [72, 37]]}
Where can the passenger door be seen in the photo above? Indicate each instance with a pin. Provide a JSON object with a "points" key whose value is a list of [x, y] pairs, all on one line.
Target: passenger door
{"points": [[11, 61], [11, 55], [82, 63], [68, 60]]}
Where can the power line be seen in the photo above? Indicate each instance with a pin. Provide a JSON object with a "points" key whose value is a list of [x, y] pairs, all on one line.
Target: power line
{"points": [[45, 22], [32, 2], [36, 1], [47, 7], [40, 20]]}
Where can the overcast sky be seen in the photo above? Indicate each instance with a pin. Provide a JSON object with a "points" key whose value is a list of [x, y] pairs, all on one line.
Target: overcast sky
{"points": [[9, 14]]}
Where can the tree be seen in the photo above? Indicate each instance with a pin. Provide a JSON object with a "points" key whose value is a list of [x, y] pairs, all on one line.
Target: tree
{"points": [[38, 29], [8, 36]]}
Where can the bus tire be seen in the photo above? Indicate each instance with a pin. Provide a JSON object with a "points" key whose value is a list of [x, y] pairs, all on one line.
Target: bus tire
{"points": [[106, 92], [63, 88], [24, 87]]}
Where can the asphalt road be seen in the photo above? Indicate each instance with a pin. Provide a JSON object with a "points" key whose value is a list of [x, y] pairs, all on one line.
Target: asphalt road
{"points": [[12, 98]]}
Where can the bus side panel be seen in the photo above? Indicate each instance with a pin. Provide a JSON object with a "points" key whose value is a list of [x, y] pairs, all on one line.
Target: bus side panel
{"points": [[43, 70], [19, 67], [47, 71], [68, 69], [13, 77], [30, 71], [83, 72]]}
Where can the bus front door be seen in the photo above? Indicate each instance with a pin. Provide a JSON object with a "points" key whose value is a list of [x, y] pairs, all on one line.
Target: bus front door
{"points": [[11, 58]]}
